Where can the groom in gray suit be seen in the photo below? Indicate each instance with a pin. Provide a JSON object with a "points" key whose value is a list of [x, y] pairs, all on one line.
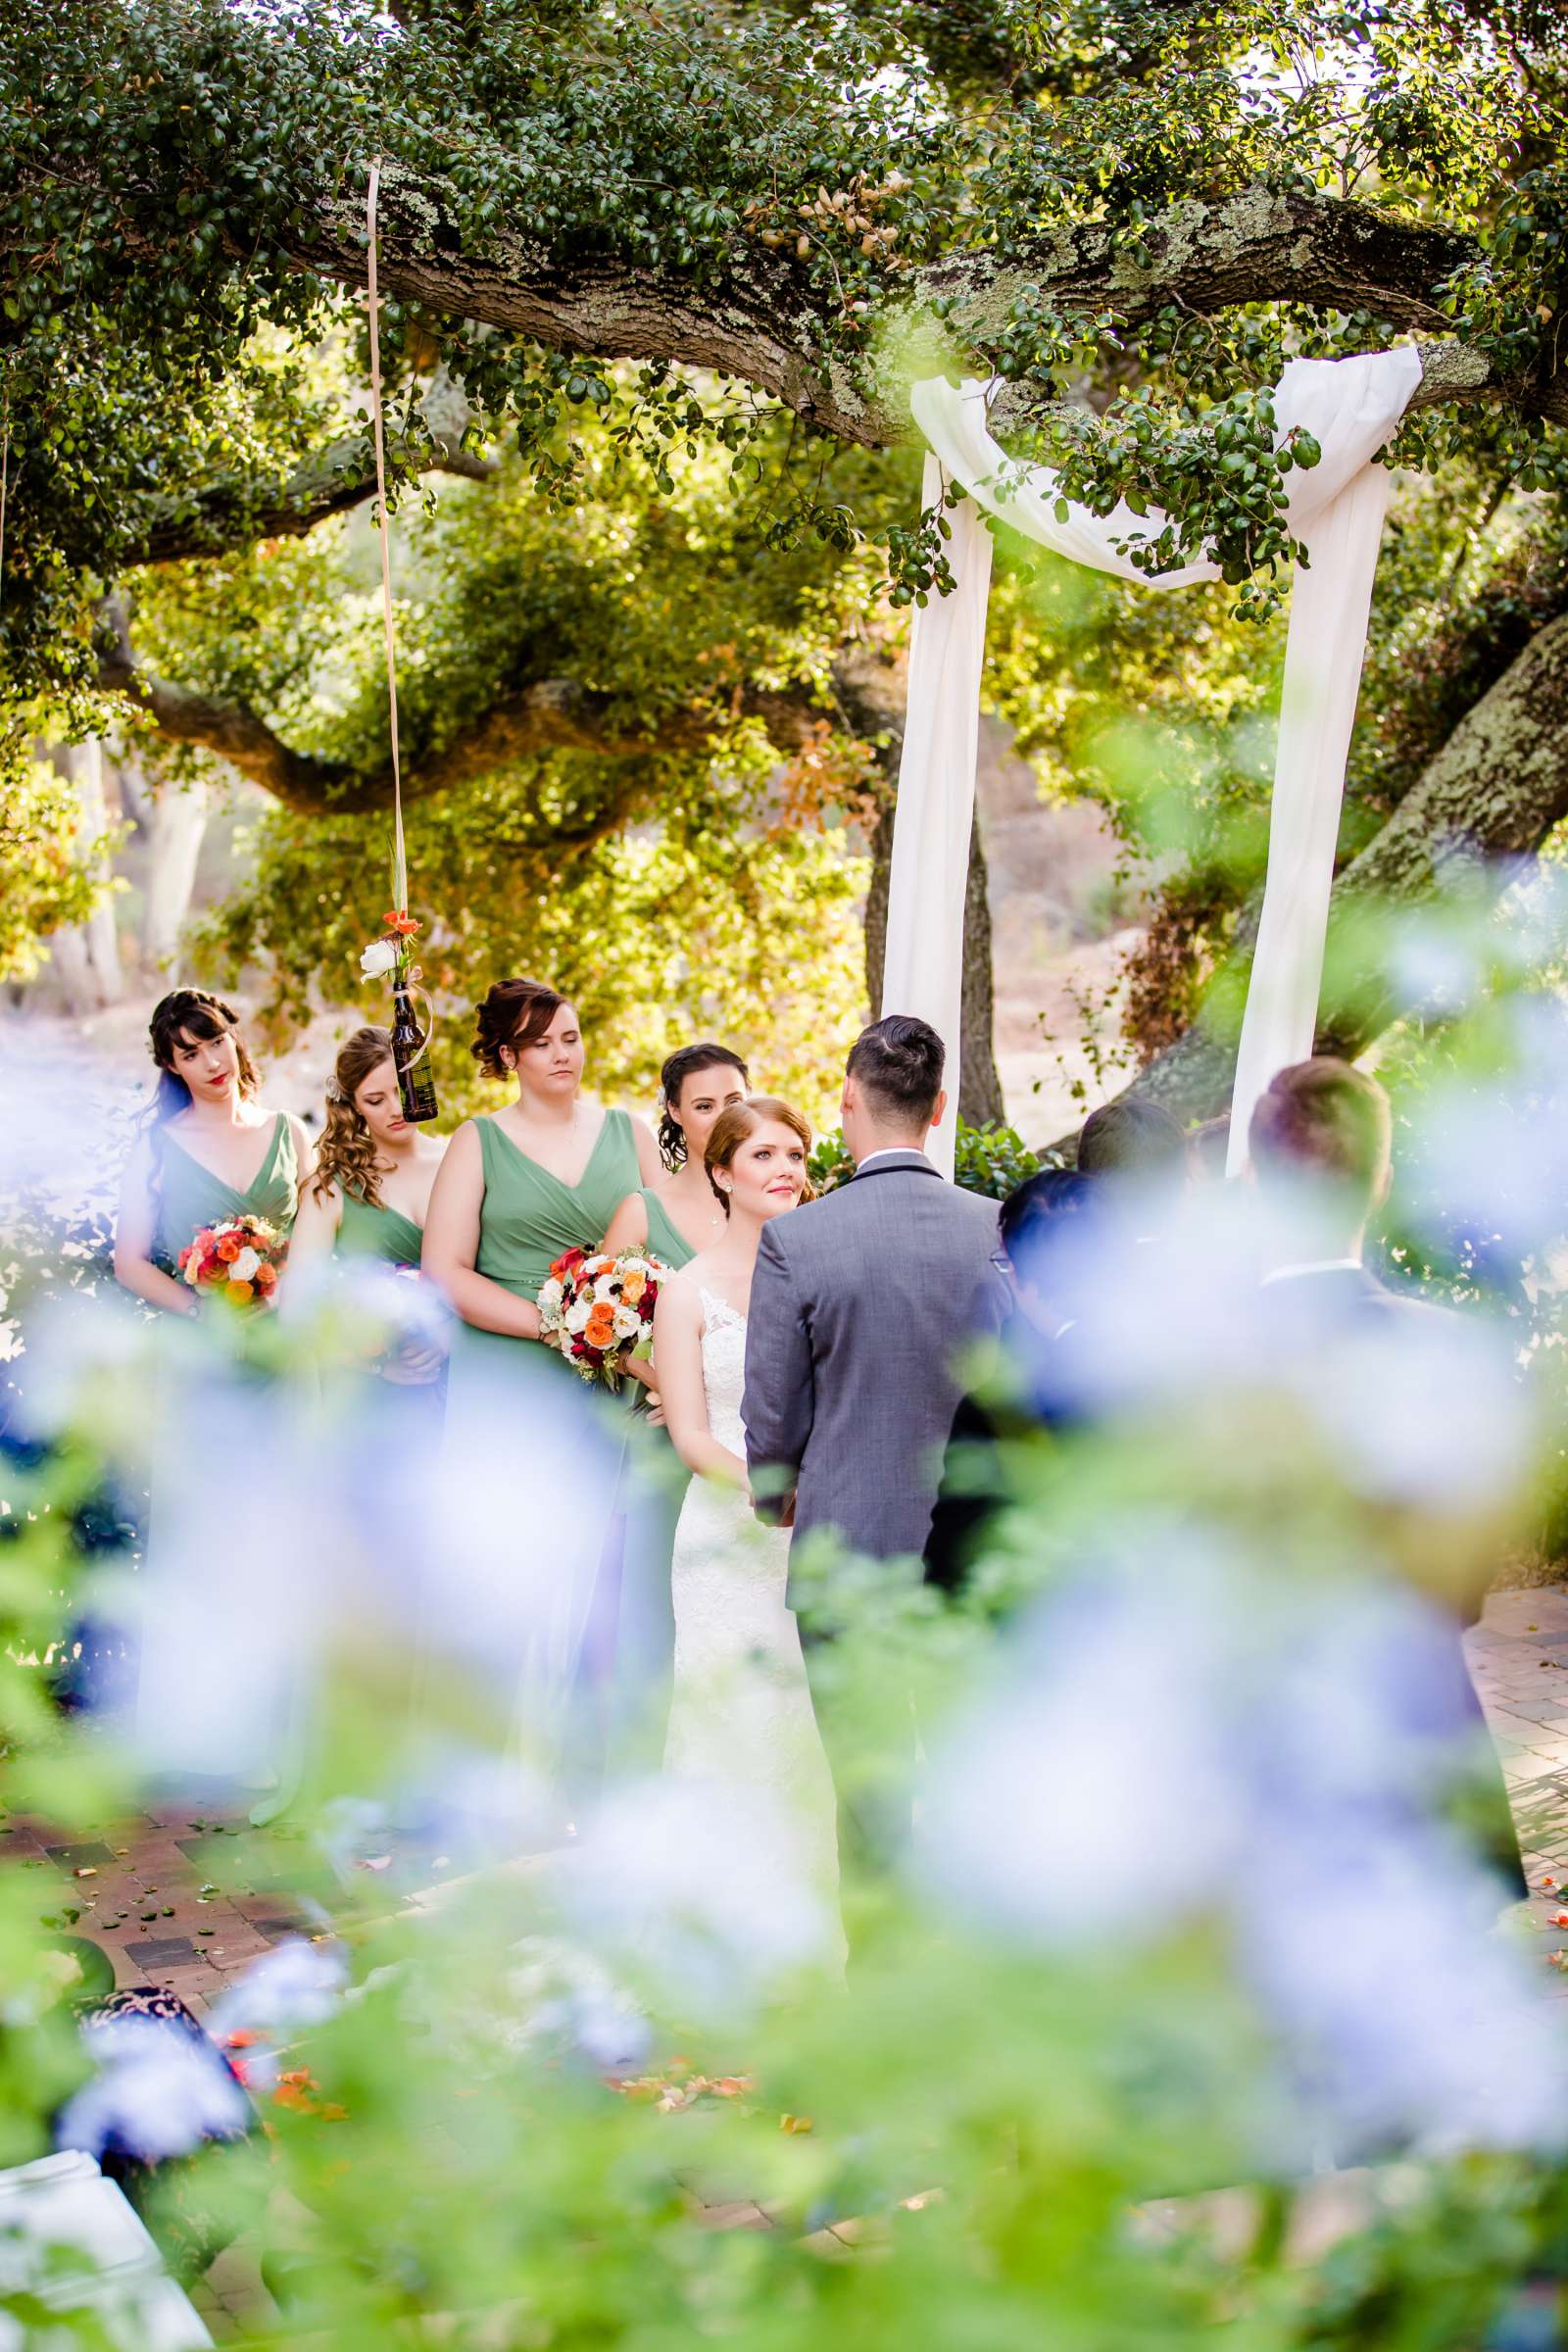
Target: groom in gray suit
{"points": [[860, 1305]]}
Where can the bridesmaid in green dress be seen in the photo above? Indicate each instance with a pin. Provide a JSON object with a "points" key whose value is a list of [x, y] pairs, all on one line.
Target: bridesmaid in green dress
{"points": [[673, 1218], [374, 1168], [208, 1151], [516, 1188], [372, 1184]]}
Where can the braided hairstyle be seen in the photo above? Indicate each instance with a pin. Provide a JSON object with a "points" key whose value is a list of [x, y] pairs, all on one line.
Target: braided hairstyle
{"points": [[346, 1153], [187, 1013], [688, 1062], [514, 1013]]}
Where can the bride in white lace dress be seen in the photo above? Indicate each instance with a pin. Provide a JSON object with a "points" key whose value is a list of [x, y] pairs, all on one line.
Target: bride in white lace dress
{"points": [[741, 1709]]}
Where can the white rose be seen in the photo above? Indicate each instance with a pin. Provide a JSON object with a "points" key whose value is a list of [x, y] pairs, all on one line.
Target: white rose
{"points": [[245, 1267], [578, 1315], [379, 958], [627, 1325]]}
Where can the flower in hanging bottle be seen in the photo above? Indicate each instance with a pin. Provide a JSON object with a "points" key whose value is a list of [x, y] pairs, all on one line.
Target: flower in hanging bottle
{"points": [[392, 953], [378, 958]]}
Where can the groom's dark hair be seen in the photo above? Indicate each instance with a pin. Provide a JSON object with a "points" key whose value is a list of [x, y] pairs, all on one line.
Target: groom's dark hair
{"points": [[897, 1063]]}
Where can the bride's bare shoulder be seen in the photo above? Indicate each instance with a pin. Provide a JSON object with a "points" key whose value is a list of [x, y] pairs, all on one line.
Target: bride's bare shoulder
{"points": [[680, 1292]]}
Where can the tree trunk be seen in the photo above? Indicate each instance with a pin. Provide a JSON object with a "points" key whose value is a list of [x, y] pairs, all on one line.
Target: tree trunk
{"points": [[173, 822], [1486, 802], [979, 1085], [86, 956]]}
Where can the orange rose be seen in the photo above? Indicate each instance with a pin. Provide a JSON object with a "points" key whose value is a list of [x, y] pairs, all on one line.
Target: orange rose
{"points": [[600, 1329], [633, 1288], [228, 1248], [266, 1278], [242, 1289]]}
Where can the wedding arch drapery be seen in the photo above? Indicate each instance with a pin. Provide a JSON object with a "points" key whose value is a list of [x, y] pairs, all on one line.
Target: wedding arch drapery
{"points": [[1336, 509]]}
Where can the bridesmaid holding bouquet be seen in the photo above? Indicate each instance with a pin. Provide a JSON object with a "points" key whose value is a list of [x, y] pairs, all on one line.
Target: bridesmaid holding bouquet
{"points": [[517, 1188], [208, 1152], [209, 1149]]}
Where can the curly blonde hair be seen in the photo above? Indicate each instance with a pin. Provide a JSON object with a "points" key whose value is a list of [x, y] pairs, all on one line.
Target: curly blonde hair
{"points": [[346, 1153]]}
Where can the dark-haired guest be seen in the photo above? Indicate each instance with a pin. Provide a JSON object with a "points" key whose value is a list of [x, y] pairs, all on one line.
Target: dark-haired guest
{"points": [[208, 1150], [1321, 1143], [1032, 1307], [1134, 1139], [676, 1216]]}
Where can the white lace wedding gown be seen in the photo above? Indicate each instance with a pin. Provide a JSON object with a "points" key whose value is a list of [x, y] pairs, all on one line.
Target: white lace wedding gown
{"points": [[741, 1708]]}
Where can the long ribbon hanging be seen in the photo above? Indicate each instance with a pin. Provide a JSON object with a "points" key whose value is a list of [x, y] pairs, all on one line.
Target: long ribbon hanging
{"points": [[399, 858], [5, 481]]}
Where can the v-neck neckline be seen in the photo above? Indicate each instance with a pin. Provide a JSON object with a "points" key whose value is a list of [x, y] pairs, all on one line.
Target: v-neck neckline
{"points": [[696, 1248], [240, 1192], [593, 1154]]}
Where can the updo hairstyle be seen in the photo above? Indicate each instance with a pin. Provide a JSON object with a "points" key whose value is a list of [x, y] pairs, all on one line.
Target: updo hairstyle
{"points": [[689, 1062], [732, 1127], [514, 1013]]}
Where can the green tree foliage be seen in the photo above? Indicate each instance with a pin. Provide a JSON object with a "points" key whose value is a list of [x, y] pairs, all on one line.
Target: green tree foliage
{"points": [[652, 233], [47, 878]]}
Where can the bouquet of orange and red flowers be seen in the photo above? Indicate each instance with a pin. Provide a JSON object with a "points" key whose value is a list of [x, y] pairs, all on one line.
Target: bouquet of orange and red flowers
{"points": [[597, 1310], [237, 1261]]}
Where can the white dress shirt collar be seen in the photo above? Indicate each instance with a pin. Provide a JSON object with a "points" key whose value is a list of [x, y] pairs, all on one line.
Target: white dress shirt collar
{"points": [[891, 1151]]}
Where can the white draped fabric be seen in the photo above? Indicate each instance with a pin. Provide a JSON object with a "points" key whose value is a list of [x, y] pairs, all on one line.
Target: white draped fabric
{"points": [[1336, 509]]}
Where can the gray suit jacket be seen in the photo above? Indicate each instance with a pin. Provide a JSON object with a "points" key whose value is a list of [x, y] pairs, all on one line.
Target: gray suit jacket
{"points": [[861, 1302]]}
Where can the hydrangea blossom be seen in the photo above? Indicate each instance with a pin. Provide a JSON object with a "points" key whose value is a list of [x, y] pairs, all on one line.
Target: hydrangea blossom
{"points": [[157, 2091]]}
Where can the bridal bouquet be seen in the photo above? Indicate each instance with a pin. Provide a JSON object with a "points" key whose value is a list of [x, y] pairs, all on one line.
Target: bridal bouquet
{"points": [[596, 1310], [237, 1261]]}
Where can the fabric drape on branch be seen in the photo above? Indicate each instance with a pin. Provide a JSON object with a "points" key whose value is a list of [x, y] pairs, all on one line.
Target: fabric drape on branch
{"points": [[1336, 509]]}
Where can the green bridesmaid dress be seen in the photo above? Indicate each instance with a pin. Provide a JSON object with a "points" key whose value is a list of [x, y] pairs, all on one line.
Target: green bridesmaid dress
{"points": [[527, 1219], [645, 1644], [666, 1242], [505, 1396], [371, 1228], [190, 1197]]}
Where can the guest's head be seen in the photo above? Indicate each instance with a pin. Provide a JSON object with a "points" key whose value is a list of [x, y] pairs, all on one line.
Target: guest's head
{"points": [[364, 1118], [893, 1087], [1041, 1221], [694, 1085], [528, 1031], [201, 1055], [1322, 1134], [1134, 1139], [1209, 1148], [756, 1157]]}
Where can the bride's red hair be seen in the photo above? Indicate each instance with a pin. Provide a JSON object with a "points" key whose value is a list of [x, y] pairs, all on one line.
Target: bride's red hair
{"points": [[731, 1128]]}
